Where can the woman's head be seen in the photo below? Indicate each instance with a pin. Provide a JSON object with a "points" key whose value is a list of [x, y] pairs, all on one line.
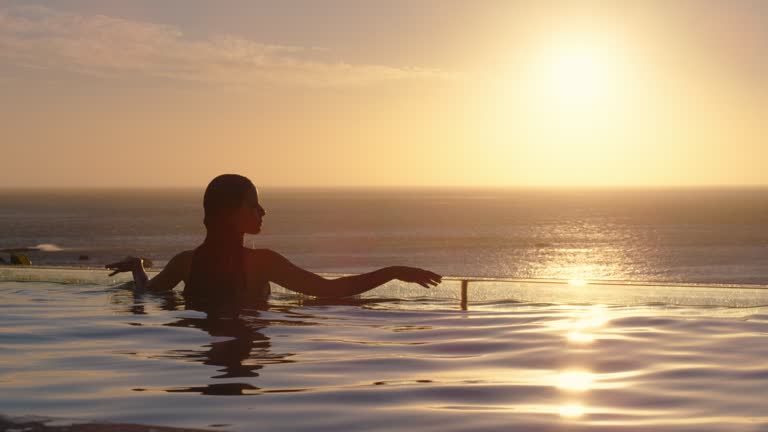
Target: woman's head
{"points": [[231, 202]]}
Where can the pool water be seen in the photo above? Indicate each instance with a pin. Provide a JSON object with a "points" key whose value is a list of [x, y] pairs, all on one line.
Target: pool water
{"points": [[518, 355]]}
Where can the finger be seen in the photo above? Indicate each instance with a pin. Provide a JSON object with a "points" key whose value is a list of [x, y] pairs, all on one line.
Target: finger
{"points": [[114, 273], [428, 273]]}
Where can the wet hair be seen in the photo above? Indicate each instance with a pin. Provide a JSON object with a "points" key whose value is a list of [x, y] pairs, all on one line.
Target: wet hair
{"points": [[225, 193]]}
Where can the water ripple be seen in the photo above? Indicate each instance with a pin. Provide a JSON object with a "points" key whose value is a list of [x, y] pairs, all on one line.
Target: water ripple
{"points": [[107, 355]]}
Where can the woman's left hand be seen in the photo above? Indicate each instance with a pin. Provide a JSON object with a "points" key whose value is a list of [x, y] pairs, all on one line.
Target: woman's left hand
{"points": [[128, 264], [420, 276]]}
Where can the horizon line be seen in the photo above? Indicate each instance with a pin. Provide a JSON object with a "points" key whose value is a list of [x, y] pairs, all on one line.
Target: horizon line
{"points": [[410, 187]]}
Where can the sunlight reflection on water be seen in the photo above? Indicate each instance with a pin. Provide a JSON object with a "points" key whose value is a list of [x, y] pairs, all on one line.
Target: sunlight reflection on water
{"points": [[537, 366], [575, 380], [572, 410]]}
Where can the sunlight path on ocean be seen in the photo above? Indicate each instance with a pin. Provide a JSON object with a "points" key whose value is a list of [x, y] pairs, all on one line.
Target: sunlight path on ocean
{"points": [[96, 352]]}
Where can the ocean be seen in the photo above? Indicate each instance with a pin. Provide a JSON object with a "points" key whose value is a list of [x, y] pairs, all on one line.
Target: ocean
{"points": [[77, 346], [662, 235]]}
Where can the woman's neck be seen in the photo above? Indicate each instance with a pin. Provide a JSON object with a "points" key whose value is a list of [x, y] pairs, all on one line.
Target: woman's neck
{"points": [[223, 239]]}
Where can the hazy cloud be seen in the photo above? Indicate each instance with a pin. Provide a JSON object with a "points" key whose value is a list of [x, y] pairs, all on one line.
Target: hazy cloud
{"points": [[45, 38]]}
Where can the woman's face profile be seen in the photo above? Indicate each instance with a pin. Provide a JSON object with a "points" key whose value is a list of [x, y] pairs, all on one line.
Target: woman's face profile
{"points": [[251, 213]]}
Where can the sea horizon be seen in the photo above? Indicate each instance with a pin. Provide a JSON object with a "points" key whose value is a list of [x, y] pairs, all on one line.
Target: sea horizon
{"points": [[697, 235], [536, 187]]}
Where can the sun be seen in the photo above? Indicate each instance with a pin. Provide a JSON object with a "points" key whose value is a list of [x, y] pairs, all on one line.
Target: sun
{"points": [[569, 100], [576, 75]]}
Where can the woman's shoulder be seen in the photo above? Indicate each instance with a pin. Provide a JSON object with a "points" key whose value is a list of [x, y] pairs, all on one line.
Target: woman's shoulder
{"points": [[265, 255], [184, 256], [182, 261], [266, 259], [260, 263]]}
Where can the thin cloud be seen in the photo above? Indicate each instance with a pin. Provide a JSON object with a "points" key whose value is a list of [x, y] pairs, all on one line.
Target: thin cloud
{"points": [[45, 38]]}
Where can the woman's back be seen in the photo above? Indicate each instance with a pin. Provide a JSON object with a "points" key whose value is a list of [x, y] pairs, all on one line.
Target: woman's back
{"points": [[223, 278]]}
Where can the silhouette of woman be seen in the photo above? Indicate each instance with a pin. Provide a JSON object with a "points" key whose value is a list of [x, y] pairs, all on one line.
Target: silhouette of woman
{"points": [[221, 272]]}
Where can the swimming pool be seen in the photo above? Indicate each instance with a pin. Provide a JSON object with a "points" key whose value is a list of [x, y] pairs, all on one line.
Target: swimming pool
{"points": [[514, 355]]}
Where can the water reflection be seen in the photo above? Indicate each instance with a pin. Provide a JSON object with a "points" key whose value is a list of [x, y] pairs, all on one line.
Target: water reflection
{"points": [[224, 389], [572, 410], [135, 303], [579, 330], [243, 354], [238, 356], [575, 381], [587, 321], [579, 337]]}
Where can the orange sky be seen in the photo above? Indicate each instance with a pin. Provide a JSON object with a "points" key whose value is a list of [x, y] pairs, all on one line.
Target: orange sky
{"points": [[396, 93]]}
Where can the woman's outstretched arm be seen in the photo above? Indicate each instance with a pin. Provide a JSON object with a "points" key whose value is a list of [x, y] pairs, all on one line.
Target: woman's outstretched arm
{"points": [[167, 279], [280, 270]]}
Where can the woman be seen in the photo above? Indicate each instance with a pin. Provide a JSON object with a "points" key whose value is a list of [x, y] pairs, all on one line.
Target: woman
{"points": [[221, 271]]}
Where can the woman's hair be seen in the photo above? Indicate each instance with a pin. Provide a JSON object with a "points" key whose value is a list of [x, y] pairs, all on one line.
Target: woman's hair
{"points": [[225, 193]]}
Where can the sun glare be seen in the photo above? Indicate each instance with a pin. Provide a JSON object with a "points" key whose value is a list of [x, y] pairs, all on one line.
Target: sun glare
{"points": [[572, 410], [576, 75], [575, 381], [568, 103]]}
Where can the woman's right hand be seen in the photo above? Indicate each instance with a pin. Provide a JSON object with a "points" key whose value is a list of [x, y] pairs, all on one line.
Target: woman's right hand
{"points": [[422, 277], [128, 264]]}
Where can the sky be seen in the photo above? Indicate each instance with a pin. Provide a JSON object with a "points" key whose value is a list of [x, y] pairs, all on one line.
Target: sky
{"points": [[473, 93]]}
